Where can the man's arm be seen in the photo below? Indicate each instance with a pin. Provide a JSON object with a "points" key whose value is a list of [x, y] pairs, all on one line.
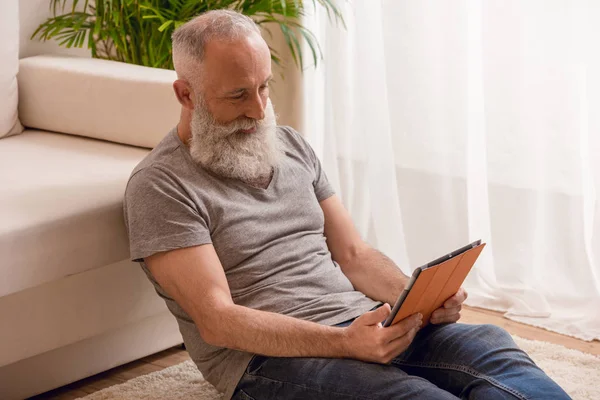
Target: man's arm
{"points": [[369, 270], [194, 278]]}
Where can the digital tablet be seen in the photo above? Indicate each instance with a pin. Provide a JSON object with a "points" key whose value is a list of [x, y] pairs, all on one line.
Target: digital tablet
{"points": [[435, 282]]}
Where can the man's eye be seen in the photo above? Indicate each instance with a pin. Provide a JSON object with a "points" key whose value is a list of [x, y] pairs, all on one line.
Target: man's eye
{"points": [[263, 87], [238, 97]]}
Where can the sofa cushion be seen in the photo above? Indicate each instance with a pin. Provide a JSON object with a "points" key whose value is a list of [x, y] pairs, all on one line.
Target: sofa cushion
{"points": [[60, 206], [9, 65], [99, 99]]}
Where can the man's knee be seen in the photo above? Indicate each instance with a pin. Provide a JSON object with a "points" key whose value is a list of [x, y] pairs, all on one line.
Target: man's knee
{"points": [[493, 350], [492, 330], [493, 334]]}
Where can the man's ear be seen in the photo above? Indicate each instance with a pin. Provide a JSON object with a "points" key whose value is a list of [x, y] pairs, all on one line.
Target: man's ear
{"points": [[184, 94]]}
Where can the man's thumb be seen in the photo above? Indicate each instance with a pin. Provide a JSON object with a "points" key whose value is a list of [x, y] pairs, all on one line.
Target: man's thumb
{"points": [[376, 316]]}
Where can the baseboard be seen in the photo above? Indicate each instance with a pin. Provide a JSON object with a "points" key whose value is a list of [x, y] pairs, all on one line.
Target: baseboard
{"points": [[88, 357]]}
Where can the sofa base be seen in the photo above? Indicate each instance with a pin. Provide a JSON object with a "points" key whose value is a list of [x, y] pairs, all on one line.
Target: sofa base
{"points": [[88, 357]]}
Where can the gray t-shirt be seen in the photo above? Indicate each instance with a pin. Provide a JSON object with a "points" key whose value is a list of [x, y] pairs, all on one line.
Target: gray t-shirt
{"points": [[269, 241]]}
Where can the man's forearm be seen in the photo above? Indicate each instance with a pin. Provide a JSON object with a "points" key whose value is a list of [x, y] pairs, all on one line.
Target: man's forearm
{"points": [[271, 334], [374, 274]]}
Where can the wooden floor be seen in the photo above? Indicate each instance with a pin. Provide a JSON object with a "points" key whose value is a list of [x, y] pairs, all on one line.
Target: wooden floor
{"points": [[177, 355]]}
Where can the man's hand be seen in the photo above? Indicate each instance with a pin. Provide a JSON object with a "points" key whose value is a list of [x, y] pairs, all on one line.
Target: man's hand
{"points": [[368, 340], [450, 311]]}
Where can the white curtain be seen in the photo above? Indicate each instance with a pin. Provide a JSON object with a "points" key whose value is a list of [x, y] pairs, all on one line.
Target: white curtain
{"points": [[441, 122]]}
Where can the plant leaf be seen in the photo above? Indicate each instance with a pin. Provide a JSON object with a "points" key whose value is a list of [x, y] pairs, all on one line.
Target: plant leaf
{"points": [[139, 31], [165, 25]]}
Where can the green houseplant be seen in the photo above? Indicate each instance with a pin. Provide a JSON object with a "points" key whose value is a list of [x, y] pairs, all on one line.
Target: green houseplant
{"points": [[139, 31]]}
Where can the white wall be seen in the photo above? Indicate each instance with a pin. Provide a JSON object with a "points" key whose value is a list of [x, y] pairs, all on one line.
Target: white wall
{"points": [[285, 94], [31, 14]]}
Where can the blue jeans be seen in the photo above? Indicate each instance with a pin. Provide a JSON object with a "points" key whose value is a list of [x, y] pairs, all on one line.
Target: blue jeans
{"points": [[443, 362]]}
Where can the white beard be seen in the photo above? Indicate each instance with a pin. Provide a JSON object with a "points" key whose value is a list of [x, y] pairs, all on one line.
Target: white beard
{"points": [[227, 152]]}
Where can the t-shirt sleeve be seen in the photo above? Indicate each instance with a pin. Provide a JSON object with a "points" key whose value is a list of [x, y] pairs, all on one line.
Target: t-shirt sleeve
{"points": [[323, 188], [160, 216]]}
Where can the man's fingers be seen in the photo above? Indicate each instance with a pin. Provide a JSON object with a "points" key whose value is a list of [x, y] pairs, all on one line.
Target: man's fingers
{"points": [[446, 320], [445, 312], [376, 316], [401, 328], [457, 299], [442, 315], [397, 346]]}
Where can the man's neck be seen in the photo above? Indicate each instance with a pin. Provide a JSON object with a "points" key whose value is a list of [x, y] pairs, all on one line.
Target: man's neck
{"points": [[183, 128]]}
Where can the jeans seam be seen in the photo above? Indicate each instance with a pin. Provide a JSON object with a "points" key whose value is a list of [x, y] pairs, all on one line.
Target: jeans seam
{"points": [[246, 394], [465, 369], [307, 388]]}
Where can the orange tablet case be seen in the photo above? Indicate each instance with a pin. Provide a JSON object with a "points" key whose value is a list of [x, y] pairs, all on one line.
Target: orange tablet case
{"points": [[437, 284]]}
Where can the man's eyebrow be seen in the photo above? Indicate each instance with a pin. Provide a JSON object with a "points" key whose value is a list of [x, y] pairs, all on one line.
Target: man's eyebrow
{"points": [[269, 79], [240, 90]]}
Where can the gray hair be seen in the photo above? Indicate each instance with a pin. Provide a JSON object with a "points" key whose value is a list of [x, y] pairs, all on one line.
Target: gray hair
{"points": [[190, 39]]}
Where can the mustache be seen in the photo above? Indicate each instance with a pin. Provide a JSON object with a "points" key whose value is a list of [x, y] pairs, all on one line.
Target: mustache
{"points": [[245, 125], [231, 130], [233, 127]]}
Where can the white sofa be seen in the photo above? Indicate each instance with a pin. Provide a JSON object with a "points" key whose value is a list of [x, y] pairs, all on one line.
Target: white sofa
{"points": [[71, 304]]}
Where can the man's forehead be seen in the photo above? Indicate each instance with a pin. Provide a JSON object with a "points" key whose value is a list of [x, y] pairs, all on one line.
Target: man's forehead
{"points": [[234, 63]]}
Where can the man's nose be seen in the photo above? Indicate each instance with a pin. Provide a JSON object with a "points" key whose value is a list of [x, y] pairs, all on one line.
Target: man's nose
{"points": [[256, 107]]}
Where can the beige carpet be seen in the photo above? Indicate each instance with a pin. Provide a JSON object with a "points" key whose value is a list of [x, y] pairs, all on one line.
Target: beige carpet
{"points": [[578, 373]]}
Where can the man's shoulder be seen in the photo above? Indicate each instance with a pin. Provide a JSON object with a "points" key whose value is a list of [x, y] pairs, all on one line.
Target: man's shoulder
{"points": [[292, 139], [157, 166], [165, 154]]}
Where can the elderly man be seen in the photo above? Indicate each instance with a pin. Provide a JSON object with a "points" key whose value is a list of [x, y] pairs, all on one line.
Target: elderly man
{"points": [[234, 222]]}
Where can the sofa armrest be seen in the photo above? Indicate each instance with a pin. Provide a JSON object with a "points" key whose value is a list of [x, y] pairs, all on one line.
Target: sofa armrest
{"points": [[100, 99]]}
